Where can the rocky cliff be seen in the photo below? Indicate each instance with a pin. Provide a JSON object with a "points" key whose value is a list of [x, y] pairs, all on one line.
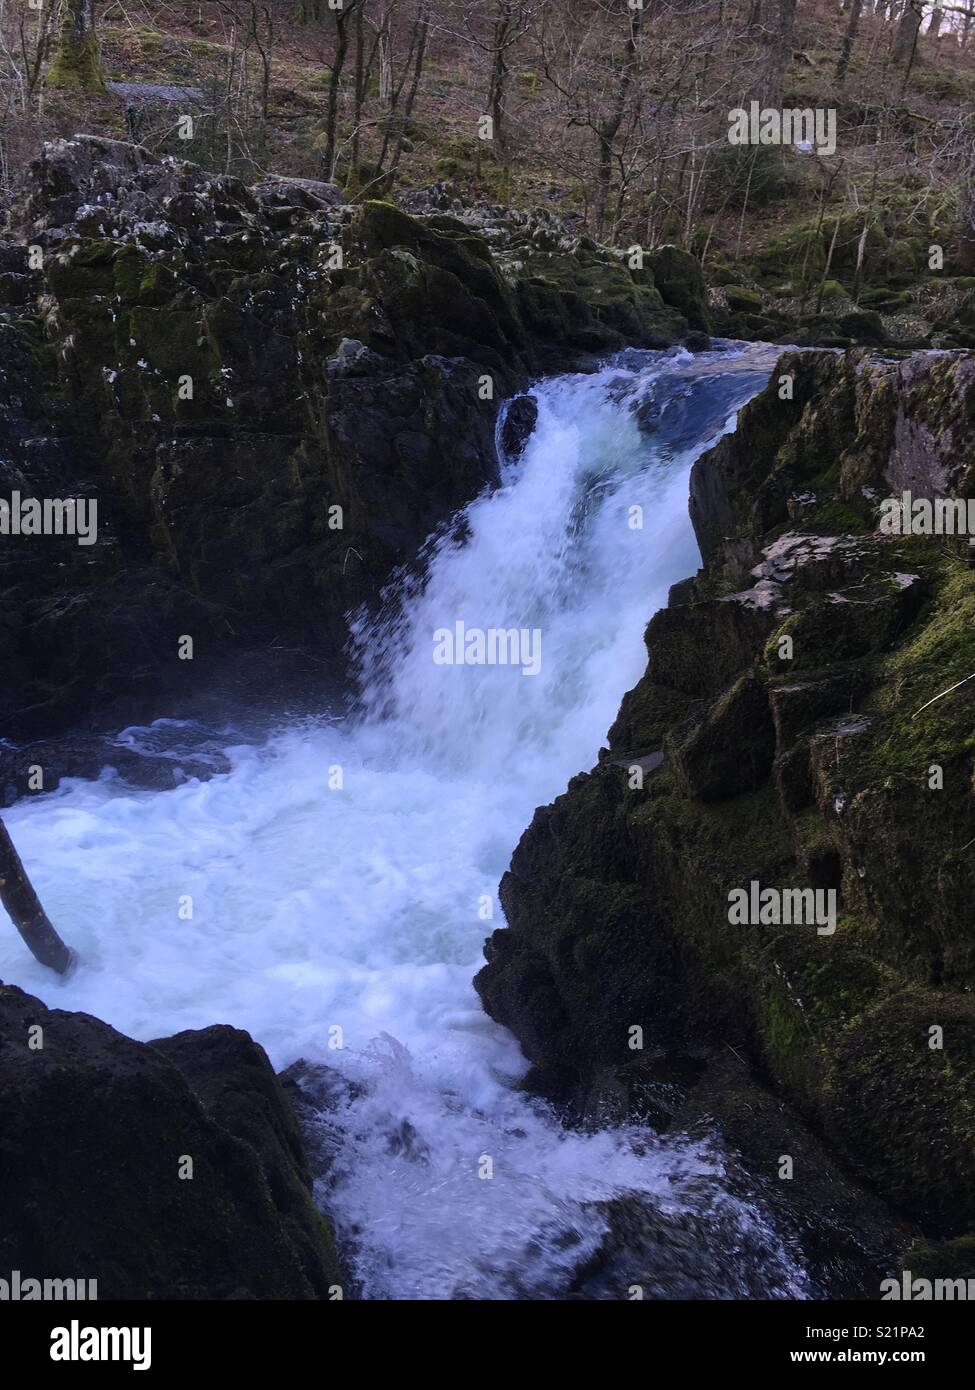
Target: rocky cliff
{"points": [[790, 731], [274, 398]]}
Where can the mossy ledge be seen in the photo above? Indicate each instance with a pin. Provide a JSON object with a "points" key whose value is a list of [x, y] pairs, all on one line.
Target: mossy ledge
{"points": [[829, 769]]}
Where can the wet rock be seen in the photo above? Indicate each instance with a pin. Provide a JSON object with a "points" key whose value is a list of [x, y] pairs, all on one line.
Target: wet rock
{"points": [[518, 425]]}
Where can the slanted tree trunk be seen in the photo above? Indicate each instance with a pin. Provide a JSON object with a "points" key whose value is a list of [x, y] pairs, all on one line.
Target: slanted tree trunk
{"points": [[77, 64], [26, 913]]}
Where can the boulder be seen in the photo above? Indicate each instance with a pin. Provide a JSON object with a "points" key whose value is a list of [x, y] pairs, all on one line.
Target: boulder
{"points": [[165, 1170]]}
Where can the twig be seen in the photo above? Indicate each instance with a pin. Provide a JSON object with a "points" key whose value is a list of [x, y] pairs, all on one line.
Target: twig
{"points": [[943, 694]]}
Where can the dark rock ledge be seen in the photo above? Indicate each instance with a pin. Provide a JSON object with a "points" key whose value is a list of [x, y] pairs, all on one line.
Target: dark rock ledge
{"points": [[835, 767]]}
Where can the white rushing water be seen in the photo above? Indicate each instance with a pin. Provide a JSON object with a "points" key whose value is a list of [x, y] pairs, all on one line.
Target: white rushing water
{"points": [[361, 907]]}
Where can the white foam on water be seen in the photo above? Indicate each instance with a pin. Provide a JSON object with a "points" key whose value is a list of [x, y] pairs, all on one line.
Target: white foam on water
{"points": [[362, 907]]}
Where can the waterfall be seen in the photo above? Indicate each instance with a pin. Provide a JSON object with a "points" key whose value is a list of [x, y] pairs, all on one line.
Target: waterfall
{"points": [[335, 887]]}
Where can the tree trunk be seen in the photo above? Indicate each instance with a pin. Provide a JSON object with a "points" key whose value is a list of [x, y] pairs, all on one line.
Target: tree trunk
{"points": [[849, 39], [386, 56], [780, 59], [906, 36], [423, 28], [352, 181], [606, 132], [265, 54], [497, 94], [396, 90], [342, 18], [77, 65], [26, 913]]}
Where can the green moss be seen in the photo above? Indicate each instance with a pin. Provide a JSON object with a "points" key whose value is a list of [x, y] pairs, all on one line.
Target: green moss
{"points": [[906, 1110], [679, 278], [741, 298], [940, 652], [140, 280], [77, 65], [383, 225], [832, 290]]}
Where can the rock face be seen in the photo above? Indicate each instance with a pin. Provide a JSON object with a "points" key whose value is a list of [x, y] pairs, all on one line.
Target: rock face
{"points": [[274, 398], [790, 735], [95, 1134]]}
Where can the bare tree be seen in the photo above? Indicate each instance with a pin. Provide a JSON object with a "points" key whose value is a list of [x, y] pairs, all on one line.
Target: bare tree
{"points": [[780, 53], [608, 129], [421, 33], [849, 39], [905, 38], [342, 18]]}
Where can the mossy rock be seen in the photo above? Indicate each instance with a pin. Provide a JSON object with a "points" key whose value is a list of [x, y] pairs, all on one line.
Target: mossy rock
{"points": [[383, 225], [950, 1259], [797, 255], [904, 1111], [742, 299], [679, 278], [730, 750], [831, 290], [885, 298], [76, 66], [863, 326]]}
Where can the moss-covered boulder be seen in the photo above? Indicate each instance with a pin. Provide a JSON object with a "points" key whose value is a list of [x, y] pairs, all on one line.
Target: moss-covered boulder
{"points": [[680, 279], [740, 298]]}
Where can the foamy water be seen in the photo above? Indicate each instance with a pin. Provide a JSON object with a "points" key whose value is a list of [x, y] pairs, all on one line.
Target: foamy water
{"points": [[342, 877]]}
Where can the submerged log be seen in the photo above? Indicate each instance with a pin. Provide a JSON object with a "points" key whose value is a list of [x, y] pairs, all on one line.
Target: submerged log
{"points": [[26, 913]]}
